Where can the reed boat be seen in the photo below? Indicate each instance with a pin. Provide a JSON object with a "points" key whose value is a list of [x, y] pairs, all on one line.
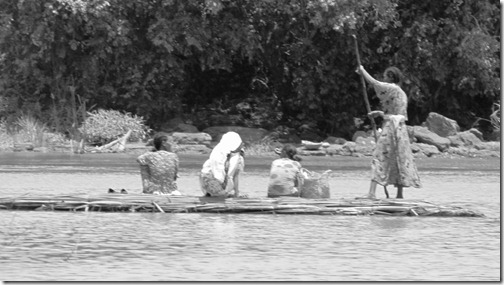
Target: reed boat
{"points": [[193, 204]]}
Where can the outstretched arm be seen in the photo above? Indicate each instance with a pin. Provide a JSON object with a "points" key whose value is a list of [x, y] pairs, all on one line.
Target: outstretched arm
{"points": [[367, 76]]}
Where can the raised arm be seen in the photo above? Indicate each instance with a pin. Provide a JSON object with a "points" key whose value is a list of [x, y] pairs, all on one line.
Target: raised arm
{"points": [[368, 77]]}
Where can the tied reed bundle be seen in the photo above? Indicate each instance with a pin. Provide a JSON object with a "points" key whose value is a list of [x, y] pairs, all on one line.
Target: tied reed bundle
{"points": [[190, 204]]}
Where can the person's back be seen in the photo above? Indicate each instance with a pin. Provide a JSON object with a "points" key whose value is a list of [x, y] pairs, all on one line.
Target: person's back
{"points": [[285, 174], [219, 175], [159, 169]]}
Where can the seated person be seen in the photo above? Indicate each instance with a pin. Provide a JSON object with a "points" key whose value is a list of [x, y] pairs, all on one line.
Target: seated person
{"points": [[220, 173], [159, 168], [285, 174]]}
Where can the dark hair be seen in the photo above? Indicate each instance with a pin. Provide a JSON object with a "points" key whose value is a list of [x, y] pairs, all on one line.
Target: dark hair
{"points": [[290, 152], [395, 74], [160, 143]]}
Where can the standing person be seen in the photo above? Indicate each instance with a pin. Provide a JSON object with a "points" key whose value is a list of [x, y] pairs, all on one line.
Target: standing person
{"points": [[393, 161], [220, 173], [285, 174], [159, 168]]}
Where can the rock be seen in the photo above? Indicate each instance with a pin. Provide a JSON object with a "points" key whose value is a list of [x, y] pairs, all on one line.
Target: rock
{"points": [[441, 125], [456, 141], [248, 135], [192, 138], [192, 148], [335, 140], [335, 149], [23, 146], [289, 138], [423, 135], [306, 152], [186, 128], [359, 134], [306, 133], [477, 133], [492, 146], [365, 146], [467, 138], [178, 125], [349, 148], [411, 134], [415, 148], [42, 149], [427, 149]]}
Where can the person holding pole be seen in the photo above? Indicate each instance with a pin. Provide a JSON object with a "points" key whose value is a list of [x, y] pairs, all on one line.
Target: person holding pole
{"points": [[393, 161]]}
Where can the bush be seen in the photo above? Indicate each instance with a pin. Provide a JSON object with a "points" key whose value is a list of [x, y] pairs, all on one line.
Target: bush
{"points": [[104, 126]]}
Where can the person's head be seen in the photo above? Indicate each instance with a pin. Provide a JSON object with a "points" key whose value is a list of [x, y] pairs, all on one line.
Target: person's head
{"points": [[231, 142], [161, 142], [289, 151], [393, 75]]}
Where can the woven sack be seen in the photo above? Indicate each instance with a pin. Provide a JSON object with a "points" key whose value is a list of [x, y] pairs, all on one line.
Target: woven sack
{"points": [[315, 185]]}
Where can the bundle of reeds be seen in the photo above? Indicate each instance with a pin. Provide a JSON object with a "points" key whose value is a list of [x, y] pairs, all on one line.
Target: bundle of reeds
{"points": [[192, 204]]}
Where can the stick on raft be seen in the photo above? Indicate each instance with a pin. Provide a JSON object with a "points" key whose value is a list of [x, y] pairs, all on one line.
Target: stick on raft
{"points": [[193, 204]]}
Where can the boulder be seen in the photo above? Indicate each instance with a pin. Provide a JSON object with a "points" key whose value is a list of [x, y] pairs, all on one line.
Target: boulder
{"points": [[427, 149], [365, 146], [335, 149], [308, 133], [248, 135], [23, 147], [411, 134], [456, 141], [178, 125], [335, 140], [193, 148], [477, 133], [186, 128], [358, 134], [441, 125], [466, 138], [305, 152], [492, 146], [423, 135], [192, 138], [349, 148]]}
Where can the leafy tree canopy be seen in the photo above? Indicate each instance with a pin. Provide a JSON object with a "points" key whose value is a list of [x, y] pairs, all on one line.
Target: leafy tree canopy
{"points": [[292, 61]]}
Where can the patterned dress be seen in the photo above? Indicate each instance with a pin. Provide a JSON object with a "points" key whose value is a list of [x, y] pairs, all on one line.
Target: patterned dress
{"points": [[159, 171], [393, 161], [285, 178]]}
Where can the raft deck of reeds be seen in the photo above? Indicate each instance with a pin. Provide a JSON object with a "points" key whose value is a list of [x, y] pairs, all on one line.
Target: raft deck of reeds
{"points": [[192, 204]]}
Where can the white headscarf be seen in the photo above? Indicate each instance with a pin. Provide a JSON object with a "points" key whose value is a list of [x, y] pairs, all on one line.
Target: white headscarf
{"points": [[229, 142]]}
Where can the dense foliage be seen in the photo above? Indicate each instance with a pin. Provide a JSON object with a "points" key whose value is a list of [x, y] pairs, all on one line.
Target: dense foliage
{"points": [[263, 62]]}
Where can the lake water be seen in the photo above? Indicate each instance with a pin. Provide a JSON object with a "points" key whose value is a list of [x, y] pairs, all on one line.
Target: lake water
{"points": [[95, 246]]}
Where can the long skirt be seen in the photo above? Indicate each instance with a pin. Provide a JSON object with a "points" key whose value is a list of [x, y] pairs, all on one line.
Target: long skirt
{"points": [[393, 162]]}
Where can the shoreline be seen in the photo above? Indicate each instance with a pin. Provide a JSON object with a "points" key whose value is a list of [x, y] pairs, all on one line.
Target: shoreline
{"points": [[140, 148]]}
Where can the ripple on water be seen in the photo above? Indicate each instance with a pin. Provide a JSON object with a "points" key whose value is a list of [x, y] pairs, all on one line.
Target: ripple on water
{"points": [[46, 246]]}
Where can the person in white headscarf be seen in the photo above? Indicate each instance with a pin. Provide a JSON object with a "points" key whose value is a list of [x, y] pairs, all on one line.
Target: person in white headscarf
{"points": [[219, 175]]}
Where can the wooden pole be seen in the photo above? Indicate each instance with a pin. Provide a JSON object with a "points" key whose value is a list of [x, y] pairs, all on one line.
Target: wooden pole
{"points": [[364, 92], [366, 99]]}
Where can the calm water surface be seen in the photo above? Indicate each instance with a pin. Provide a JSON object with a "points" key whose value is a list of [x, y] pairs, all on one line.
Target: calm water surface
{"points": [[94, 246]]}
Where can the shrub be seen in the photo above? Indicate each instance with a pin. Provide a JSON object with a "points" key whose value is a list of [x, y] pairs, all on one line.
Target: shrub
{"points": [[103, 126], [29, 129]]}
